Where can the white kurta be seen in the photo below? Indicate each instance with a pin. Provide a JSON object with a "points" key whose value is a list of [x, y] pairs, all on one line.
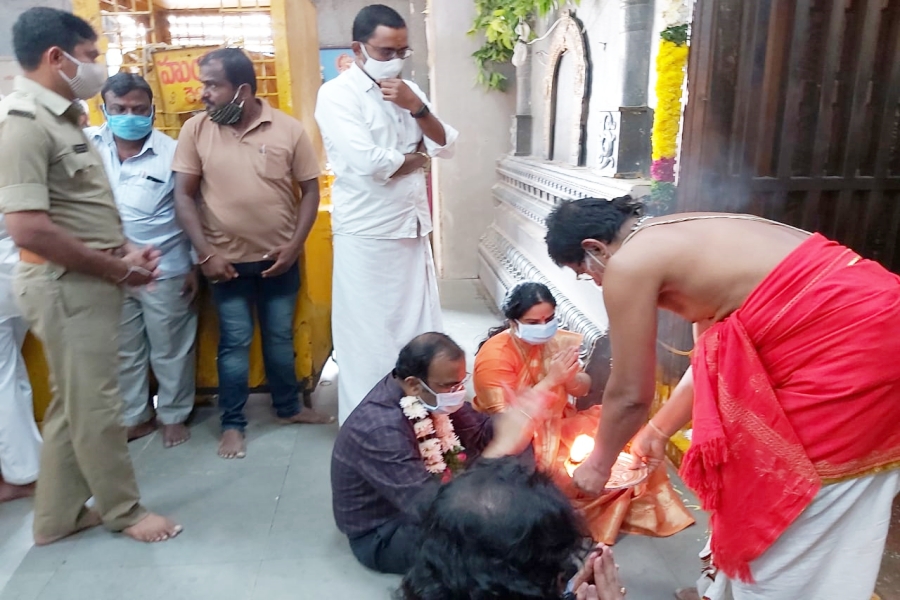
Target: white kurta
{"points": [[832, 551], [20, 441], [384, 284]]}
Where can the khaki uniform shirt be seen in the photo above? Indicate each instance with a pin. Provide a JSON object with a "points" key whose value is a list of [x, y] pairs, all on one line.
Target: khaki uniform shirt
{"points": [[47, 164], [247, 186]]}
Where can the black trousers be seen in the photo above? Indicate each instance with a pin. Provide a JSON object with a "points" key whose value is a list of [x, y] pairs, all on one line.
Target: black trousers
{"points": [[390, 548]]}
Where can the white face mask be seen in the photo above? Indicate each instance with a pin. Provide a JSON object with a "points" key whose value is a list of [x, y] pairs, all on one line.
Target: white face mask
{"points": [[537, 333], [447, 402], [89, 78], [382, 69]]}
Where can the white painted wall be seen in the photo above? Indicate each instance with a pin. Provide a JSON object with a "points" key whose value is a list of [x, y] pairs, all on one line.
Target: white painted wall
{"points": [[335, 22], [462, 185], [9, 12]]}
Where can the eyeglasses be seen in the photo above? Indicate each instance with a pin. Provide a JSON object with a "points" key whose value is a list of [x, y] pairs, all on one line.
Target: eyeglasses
{"points": [[115, 109], [451, 388], [585, 274], [390, 53]]}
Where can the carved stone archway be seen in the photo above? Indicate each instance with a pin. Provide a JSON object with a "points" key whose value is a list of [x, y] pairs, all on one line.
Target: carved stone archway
{"points": [[568, 40]]}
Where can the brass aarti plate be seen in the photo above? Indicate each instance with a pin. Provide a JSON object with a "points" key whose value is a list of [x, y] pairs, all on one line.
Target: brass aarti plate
{"points": [[623, 476]]}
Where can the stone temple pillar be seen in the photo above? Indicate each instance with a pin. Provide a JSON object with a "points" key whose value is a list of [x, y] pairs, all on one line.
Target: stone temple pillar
{"points": [[636, 117], [522, 121], [638, 40]]}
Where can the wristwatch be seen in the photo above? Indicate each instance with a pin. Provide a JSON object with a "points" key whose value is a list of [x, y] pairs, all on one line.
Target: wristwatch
{"points": [[422, 112]]}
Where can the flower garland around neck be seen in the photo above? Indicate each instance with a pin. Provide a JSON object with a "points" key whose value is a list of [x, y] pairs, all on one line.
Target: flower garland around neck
{"points": [[670, 73], [441, 450]]}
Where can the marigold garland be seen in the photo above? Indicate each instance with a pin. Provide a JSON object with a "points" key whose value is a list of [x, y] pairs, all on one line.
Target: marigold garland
{"points": [[441, 449], [670, 72], [670, 65]]}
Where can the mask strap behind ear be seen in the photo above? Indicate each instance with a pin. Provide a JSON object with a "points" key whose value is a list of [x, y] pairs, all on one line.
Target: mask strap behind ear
{"points": [[69, 57], [594, 249]]}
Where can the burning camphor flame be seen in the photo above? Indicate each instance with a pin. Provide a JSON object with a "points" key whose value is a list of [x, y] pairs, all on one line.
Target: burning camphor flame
{"points": [[581, 448]]}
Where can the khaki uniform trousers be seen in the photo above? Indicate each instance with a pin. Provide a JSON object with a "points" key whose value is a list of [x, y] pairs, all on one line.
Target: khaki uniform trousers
{"points": [[85, 451]]}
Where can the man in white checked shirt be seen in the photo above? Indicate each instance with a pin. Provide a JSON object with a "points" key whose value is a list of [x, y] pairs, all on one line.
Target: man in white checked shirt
{"points": [[159, 323]]}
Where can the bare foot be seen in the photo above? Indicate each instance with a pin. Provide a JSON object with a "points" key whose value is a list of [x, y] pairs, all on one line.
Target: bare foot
{"points": [[687, 594], [232, 444], [309, 417], [138, 431], [174, 435], [153, 528], [10, 492], [89, 518]]}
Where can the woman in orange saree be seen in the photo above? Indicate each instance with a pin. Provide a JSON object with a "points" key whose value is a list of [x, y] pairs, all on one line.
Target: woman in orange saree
{"points": [[529, 351]]}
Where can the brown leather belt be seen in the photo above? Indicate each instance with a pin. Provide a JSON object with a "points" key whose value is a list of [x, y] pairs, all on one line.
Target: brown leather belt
{"points": [[27, 256]]}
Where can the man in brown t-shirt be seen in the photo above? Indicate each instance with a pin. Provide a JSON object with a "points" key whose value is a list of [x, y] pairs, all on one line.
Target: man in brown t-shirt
{"points": [[235, 170]]}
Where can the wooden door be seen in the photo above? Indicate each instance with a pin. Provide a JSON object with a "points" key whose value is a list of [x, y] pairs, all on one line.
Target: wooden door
{"points": [[793, 114]]}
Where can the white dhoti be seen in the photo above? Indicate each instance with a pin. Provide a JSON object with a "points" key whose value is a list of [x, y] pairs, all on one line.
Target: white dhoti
{"points": [[20, 441], [384, 293], [831, 552]]}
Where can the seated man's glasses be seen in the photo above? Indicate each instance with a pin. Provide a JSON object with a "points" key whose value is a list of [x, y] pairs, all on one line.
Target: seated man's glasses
{"points": [[451, 387]]}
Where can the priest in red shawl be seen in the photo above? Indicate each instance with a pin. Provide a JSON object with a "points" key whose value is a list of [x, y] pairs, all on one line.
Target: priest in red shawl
{"points": [[794, 386]]}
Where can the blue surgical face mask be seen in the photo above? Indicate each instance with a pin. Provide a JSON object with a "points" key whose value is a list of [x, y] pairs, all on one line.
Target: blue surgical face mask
{"points": [[129, 127], [537, 333], [446, 402]]}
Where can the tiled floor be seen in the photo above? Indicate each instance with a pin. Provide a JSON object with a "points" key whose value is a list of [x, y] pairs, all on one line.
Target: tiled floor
{"points": [[261, 528]]}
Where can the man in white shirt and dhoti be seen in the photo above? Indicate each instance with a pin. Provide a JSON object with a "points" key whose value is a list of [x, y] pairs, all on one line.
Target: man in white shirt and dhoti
{"points": [[20, 442], [379, 133]]}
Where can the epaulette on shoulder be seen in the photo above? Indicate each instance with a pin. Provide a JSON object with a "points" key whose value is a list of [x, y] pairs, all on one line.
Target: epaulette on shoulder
{"points": [[17, 105]]}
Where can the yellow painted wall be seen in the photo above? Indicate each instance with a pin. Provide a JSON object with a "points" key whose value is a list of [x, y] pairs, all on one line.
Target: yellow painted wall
{"points": [[679, 444], [312, 322]]}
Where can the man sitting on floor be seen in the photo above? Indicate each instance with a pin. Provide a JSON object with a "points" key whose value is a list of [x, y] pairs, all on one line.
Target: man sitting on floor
{"points": [[412, 431]]}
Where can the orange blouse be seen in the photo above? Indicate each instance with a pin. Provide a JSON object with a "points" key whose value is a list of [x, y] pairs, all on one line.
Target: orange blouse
{"points": [[506, 365]]}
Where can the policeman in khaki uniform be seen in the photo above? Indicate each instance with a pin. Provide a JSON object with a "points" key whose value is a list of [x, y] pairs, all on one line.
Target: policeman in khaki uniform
{"points": [[74, 262]]}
